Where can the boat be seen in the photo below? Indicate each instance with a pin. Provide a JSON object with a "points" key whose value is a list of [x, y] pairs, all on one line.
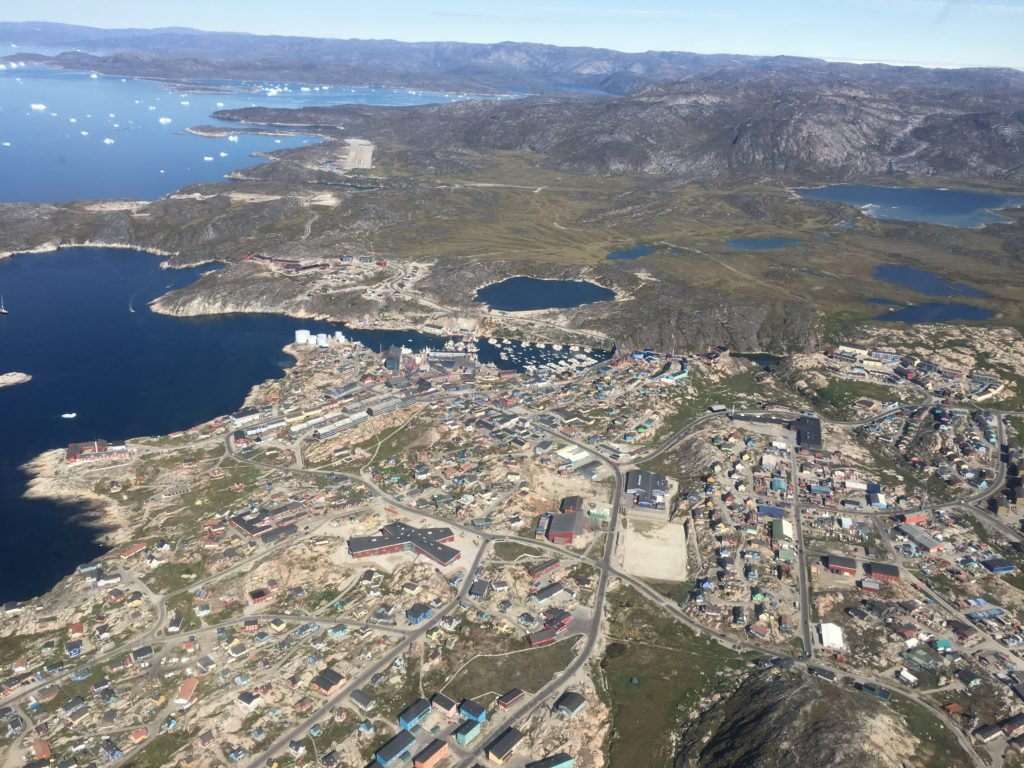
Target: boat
{"points": [[3, 309], [68, 415]]}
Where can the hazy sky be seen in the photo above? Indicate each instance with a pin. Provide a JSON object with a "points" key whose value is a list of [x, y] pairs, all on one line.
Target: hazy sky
{"points": [[931, 32]]}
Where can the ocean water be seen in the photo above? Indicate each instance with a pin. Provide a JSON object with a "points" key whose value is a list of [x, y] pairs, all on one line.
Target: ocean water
{"points": [[70, 135], [519, 294], [950, 207]]}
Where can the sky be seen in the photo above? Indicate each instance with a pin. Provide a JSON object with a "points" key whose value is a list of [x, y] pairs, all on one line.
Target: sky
{"points": [[926, 32]]}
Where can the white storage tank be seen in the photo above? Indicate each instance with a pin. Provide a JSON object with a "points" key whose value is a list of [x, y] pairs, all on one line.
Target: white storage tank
{"points": [[321, 339], [302, 337]]}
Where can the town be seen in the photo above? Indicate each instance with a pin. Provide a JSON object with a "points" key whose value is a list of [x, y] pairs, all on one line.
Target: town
{"points": [[397, 557]]}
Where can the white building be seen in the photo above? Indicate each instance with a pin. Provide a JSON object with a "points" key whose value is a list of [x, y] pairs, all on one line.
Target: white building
{"points": [[831, 636]]}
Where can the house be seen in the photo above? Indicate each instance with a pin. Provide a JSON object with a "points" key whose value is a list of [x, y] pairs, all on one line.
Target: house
{"points": [[444, 705], [1013, 726], [570, 704], [467, 731], [562, 528], [649, 490], [808, 432], [363, 700], [571, 504], [418, 613], [414, 714], [546, 593], [506, 700], [997, 565], [328, 682], [249, 701], [987, 733], [186, 692], [431, 755], [470, 710], [503, 747], [395, 748], [141, 656]]}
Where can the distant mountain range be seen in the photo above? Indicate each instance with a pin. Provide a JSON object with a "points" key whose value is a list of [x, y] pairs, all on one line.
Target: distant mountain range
{"points": [[685, 115]]}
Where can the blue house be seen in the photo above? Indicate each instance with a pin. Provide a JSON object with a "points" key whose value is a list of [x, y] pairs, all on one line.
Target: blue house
{"points": [[470, 710], [395, 749], [414, 714], [418, 613]]}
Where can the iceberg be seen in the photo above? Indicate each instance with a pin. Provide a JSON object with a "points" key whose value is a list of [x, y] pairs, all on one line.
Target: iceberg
{"points": [[164, 120], [72, 119], [220, 103], [84, 133], [108, 141], [5, 143], [111, 115], [233, 138], [207, 158], [3, 67], [185, 103], [38, 107], [93, 76], [277, 141]]}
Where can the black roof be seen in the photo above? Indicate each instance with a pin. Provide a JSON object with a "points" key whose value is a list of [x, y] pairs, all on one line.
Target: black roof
{"points": [[504, 745], [397, 745], [442, 701], [552, 761], [472, 709], [430, 750], [885, 569], [327, 679], [838, 561], [510, 696], [414, 711], [426, 541], [571, 702], [808, 432]]}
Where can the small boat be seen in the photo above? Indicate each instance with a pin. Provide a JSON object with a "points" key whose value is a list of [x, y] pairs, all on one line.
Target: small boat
{"points": [[68, 415], [3, 309]]}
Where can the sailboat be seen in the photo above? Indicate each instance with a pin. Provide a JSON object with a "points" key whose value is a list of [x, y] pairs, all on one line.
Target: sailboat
{"points": [[3, 309]]}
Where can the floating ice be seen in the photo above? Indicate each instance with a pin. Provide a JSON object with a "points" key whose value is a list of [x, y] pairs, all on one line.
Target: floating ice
{"points": [[84, 133], [223, 154], [111, 115], [220, 103], [304, 89], [93, 76], [5, 143], [53, 114], [38, 107], [164, 120], [3, 67], [117, 125], [207, 158], [233, 138], [277, 141], [151, 108], [185, 103], [161, 170], [108, 141], [72, 119]]}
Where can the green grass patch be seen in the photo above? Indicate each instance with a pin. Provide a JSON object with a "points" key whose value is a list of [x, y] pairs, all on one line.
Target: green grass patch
{"points": [[530, 670], [939, 746], [510, 551]]}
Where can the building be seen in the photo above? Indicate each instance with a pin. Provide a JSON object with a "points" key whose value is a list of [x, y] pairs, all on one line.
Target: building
{"points": [[831, 636], [186, 692], [546, 593], [508, 699], [96, 450], [782, 530], [562, 528], [542, 637], [363, 700], [431, 755], [414, 714], [467, 731], [920, 537], [571, 504], [997, 565], [883, 571], [503, 747], [539, 569], [328, 682], [444, 705], [560, 760], [399, 537], [808, 432], [395, 748], [649, 490], [470, 710], [418, 613], [570, 704], [845, 566]]}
